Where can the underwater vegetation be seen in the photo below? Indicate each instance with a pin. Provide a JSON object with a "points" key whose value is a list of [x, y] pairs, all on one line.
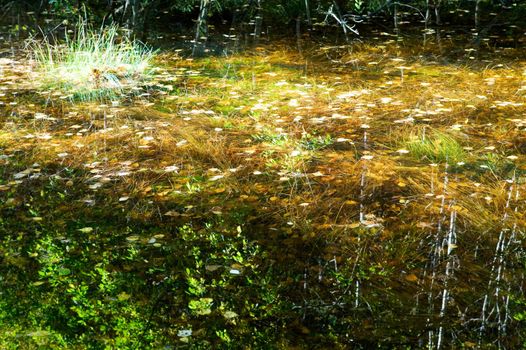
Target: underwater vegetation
{"points": [[369, 195]]}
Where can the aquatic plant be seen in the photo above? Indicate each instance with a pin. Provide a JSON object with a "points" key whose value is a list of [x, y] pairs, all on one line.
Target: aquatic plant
{"points": [[271, 137], [91, 64], [435, 146], [313, 143], [258, 190]]}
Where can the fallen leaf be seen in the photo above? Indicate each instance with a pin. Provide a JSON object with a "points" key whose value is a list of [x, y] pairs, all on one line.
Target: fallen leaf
{"points": [[411, 277]]}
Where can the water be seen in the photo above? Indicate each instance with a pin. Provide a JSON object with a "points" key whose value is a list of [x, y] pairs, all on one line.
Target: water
{"points": [[361, 196]]}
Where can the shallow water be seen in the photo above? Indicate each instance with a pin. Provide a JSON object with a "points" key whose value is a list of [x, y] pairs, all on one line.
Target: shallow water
{"points": [[360, 196]]}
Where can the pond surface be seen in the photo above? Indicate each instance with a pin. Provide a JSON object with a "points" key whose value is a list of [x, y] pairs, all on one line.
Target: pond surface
{"points": [[359, 196]]}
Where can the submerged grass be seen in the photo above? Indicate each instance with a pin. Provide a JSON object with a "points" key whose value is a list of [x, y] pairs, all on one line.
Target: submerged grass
{"points": [[299, 161], [91, 64]]}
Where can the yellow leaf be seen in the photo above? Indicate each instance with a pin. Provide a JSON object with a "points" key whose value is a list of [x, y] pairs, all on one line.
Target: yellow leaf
{"points": [[411, 278]]}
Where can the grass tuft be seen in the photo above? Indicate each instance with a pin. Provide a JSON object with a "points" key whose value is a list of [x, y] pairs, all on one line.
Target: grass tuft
{"points": [[91, 64], [436, 147]]}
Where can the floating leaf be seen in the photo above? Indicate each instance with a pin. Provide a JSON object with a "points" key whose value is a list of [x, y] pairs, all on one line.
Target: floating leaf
{"points": [[411, 277], [184, 333], [171, 168], [22, 174]]}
